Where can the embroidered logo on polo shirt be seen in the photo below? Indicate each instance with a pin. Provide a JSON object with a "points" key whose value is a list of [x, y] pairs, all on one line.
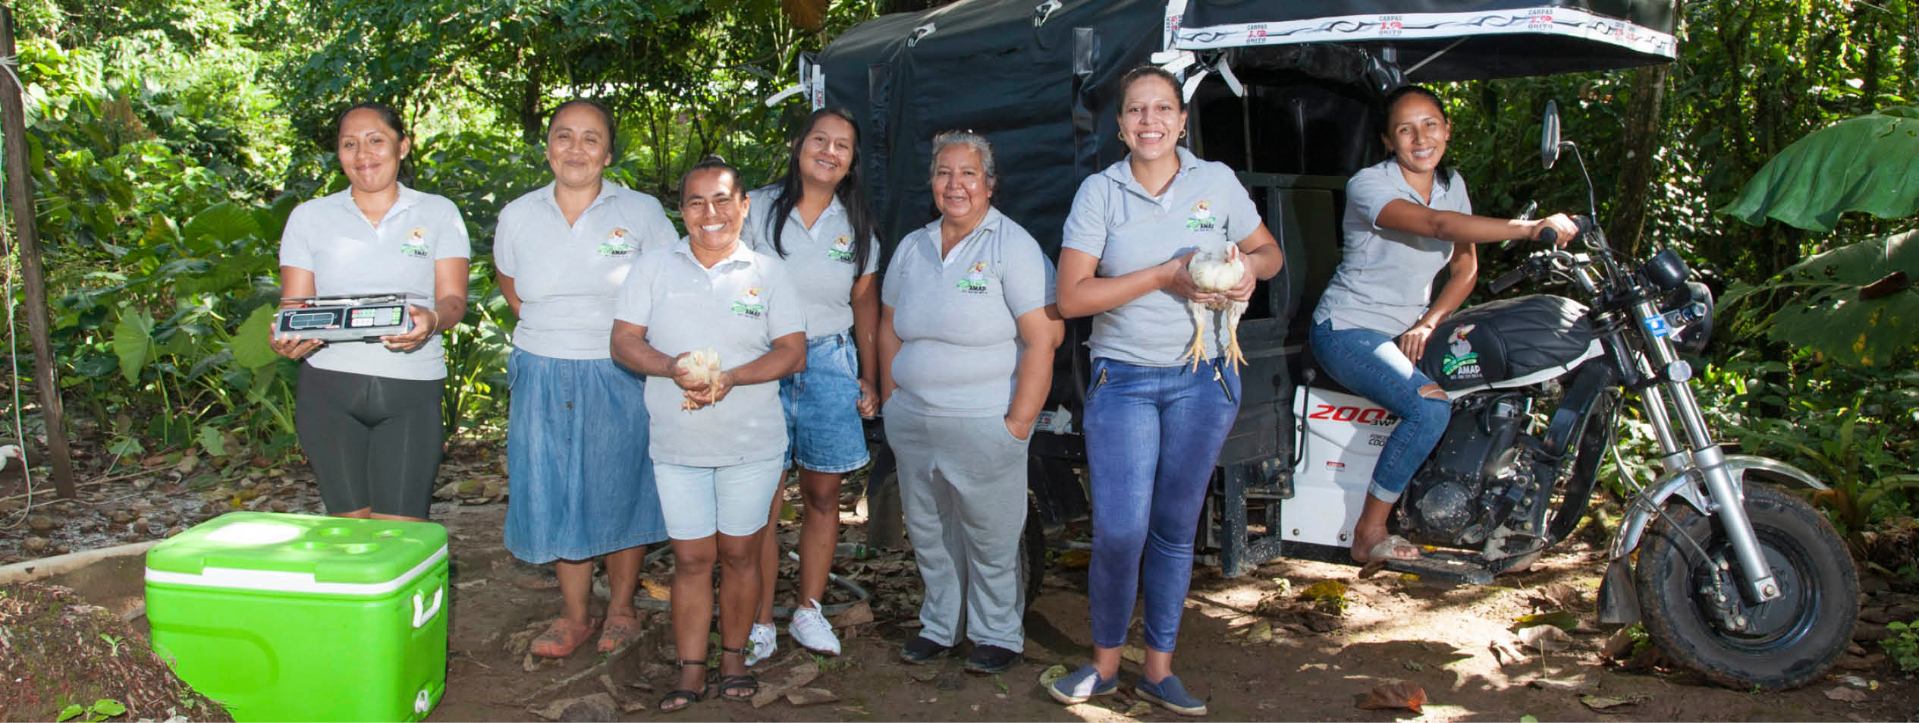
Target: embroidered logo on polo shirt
{"points": [[415, 244], [748, 304], [842, 250], [617, 243], [1202, 218], [975, 281]]}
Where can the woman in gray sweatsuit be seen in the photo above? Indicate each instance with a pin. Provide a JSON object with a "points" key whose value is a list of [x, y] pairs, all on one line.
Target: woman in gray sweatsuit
{"points": [[966, 340]]}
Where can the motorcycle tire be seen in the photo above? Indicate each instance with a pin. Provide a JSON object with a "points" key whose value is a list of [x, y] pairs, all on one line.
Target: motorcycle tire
{"points": [[1032, 555], [1789, 641]]}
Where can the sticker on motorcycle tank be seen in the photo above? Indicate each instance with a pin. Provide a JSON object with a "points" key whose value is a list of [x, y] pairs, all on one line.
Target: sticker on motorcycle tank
{"points": [[1335, 464], [1461, 362], [1657, 325]]}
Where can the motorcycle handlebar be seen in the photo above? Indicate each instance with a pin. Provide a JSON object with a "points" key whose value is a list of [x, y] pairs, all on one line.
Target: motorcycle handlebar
{"points": [[1548, 235], [1507, 280]]}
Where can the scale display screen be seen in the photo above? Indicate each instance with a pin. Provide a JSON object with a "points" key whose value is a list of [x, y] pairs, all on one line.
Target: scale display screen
{"points": [[297, 320], [345, 322]]}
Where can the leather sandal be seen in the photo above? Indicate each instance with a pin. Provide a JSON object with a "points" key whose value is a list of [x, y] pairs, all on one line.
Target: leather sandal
{"points": [[679, 698], [745, 681]]}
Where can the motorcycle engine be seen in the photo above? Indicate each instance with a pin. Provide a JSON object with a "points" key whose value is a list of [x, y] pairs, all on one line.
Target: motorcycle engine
{"points": [[1472, 480]]}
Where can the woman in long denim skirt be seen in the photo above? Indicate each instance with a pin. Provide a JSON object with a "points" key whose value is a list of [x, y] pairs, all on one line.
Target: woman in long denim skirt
{"points": [[581, 480], [1154, 426]]}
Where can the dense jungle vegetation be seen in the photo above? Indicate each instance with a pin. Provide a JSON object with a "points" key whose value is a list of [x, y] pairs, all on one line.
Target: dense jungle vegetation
{"points": [[171, 138]]}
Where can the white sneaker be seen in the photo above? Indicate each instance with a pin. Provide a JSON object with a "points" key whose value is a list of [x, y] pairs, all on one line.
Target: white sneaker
{"points": [[761, 643], [810, 629]]}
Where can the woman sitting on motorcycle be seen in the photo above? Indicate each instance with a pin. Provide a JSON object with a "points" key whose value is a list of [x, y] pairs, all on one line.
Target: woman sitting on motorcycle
{"points": [[1406, 217]]}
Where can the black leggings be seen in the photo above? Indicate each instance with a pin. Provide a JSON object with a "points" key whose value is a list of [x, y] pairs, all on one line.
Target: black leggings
{"points": [[374, 441]]}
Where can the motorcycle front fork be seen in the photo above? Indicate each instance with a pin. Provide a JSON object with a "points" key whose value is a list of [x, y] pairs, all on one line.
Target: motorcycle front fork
{"points": [[1706, 459]]}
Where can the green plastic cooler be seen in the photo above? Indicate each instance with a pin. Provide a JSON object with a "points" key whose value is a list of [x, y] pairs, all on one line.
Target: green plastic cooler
{"points": [[296, 617]]}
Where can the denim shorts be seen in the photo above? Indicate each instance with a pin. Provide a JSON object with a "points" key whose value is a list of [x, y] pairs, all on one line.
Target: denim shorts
{"points": [[731, 500], [822, 407]]}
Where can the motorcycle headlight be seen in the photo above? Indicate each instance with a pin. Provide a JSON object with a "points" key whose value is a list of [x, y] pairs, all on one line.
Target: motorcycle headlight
{"points": [[1693, 301], [1665, 270]]}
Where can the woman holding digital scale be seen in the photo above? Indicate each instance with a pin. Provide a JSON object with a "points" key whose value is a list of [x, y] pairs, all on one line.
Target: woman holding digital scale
{"points": [[368, 412]]}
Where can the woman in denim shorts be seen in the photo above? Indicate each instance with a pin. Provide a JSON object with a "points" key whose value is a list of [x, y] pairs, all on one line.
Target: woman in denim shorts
{"points": [[816, 222]]}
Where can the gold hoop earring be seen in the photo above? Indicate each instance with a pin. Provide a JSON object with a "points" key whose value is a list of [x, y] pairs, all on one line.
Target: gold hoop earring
{"points": [[1122, 135]]}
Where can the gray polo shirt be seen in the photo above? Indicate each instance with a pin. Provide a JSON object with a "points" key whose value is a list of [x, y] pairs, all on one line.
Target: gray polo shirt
{"points": [[955, 316], [818, 260], [349, 255], [568, 277], [737, 308], [1116, 221], [1385, 277]]}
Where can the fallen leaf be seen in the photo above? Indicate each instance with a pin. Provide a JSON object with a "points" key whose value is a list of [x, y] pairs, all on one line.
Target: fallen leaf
{"points": [[1392, 696], [927, 676], [1545, 638], [1847, 695], [1603, 702], [1262, 632], [1046, 677], [810, 696], [1139, 709], [656, 590], [1134, 653], [1506, 653], [798, 676], [1075, 559], [1567, 686], [1559, 619], [858, 614]]}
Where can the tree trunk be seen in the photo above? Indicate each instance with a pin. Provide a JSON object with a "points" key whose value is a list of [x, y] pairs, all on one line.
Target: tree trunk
{"points": [[1637, 174]]}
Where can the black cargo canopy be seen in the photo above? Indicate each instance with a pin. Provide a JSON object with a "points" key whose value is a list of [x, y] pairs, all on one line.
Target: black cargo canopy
{"points": [[1439, 40]]}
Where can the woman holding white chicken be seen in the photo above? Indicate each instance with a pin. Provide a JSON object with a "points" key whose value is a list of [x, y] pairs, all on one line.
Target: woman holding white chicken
{"points": [[717, 433], [967, 334], [1154, 424], [1406, 218], [816, 222], [582, 487]]}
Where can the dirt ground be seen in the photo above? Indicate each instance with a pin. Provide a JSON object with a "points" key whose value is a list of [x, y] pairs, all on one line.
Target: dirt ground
{"points": [[1292, 641]]}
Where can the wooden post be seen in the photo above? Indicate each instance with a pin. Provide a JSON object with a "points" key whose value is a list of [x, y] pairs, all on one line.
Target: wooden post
{"points": [[20, 200]]}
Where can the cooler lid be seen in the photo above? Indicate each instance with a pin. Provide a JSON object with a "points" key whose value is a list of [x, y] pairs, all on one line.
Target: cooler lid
{"points": [[298, 553]]}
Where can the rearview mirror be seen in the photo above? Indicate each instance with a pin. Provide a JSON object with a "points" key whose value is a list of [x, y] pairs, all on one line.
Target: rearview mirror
{"points": [[1549, 136]]}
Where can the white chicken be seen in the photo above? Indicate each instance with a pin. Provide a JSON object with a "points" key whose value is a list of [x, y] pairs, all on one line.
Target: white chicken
{"points": [[704, 364], [1218, 272]]}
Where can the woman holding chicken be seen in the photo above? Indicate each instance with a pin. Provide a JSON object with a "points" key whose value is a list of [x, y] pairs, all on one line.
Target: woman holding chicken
{"points": [[967, 334], [723, 323], [582, 488], [1154, 424]]}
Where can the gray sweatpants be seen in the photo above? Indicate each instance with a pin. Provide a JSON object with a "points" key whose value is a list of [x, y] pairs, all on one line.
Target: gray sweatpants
{"points": [[963, 487]]}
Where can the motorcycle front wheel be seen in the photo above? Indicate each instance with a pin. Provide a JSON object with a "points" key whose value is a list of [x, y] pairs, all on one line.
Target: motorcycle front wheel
{"points": [[1695, 611]]}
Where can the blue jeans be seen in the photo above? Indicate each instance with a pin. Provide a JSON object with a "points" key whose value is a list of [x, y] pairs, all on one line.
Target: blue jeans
{"points": [[1372, 366], [1153, 435]]}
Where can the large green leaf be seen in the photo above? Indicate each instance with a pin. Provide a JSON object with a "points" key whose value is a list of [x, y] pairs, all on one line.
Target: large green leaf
{"points": [[250, 342], [220, 224], [1828, 315], [1869, 163], [133, 342]]}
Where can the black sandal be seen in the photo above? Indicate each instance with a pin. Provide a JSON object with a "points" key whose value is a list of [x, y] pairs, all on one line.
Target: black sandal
{"points": [[746, 681], [686, 697]]}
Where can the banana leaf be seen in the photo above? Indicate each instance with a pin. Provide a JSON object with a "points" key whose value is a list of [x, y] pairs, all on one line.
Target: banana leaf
{"points": [[1855, 304], [1869, 163]]}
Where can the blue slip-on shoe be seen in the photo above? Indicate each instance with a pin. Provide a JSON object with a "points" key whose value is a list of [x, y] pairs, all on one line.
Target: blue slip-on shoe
{"points": [[1171, 694], [1082, 685]]}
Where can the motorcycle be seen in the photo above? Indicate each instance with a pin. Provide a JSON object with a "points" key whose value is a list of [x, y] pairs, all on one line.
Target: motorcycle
{"points": [[1733, 577]]}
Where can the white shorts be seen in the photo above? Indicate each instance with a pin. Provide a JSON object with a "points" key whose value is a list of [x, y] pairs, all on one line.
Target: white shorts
{"points": [[698, 501]]}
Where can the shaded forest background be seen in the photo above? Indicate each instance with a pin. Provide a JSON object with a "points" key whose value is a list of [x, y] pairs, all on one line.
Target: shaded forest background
{"points": [[170, 138]]}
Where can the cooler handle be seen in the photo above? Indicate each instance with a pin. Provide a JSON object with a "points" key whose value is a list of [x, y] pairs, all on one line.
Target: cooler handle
{"points": [[422, 617]]}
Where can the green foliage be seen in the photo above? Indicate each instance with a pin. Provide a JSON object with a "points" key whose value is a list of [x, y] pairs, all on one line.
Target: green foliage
{"points": [[100, 710], [1902, 645], [1858, 164], [1822, 303]]}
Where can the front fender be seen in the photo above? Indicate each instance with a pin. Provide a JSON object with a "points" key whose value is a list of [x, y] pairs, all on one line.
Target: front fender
{"points": [[1686, 486], [1617, 602]]}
